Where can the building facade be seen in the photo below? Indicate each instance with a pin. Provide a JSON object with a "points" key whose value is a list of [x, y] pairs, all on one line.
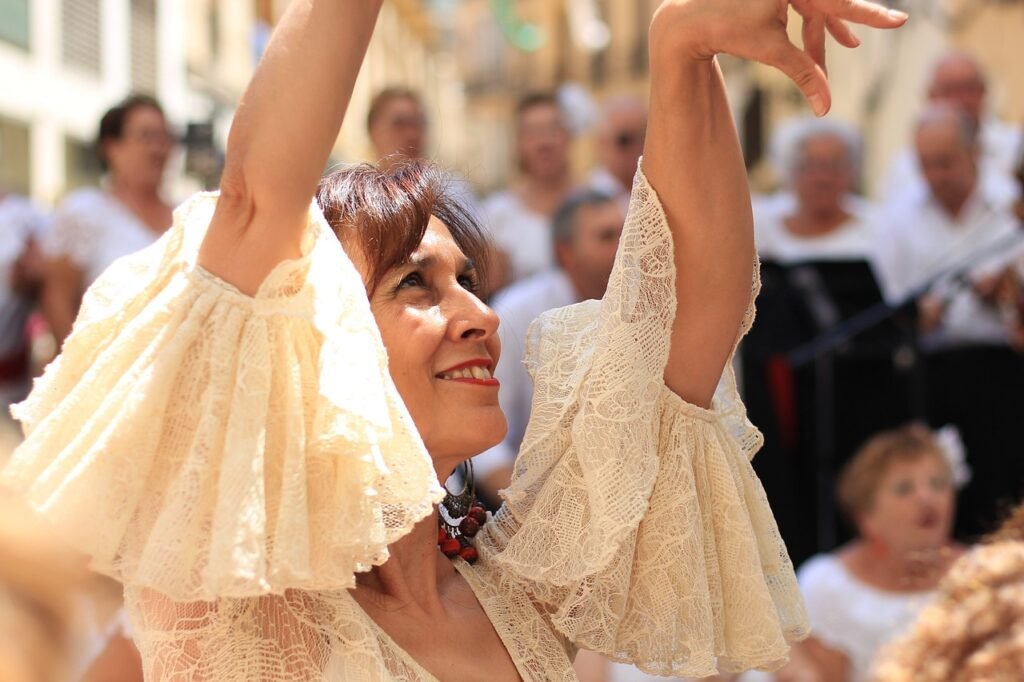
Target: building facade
{"points": [[63, 63]]}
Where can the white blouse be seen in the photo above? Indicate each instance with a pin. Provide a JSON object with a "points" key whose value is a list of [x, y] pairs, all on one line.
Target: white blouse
{"points": [[521, 234], [93, 229], [853, 240], [850, 616], [234, 460]]}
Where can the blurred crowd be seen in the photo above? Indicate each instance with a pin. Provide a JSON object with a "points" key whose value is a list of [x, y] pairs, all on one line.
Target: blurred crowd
{"points": [[885, 368]]}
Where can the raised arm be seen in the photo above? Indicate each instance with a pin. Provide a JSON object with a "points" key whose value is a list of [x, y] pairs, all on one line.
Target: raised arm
{"points": [[282, 136], [692, 156]]}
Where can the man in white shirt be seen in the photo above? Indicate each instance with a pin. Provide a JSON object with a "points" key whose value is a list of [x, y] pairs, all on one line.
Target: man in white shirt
{"points": [[585, 235], [959, 81], [620, 142], [956, 221], [952, 247]]}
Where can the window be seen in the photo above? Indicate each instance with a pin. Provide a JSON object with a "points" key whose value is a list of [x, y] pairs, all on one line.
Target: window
{"points": [[15, 161], [14, 23], [80, 25], [81, 166], [143, 45]]}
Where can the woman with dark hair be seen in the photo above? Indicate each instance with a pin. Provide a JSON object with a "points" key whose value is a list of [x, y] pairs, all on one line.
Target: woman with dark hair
{"points": [[250, 425], [93, 227]]}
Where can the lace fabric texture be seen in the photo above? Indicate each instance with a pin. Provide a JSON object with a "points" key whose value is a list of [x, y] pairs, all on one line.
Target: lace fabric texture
{"points": [[636, 518], [208, 444], [634, 526]]}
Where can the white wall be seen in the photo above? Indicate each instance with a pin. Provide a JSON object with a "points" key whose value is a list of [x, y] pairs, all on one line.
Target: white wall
{"points": [[38, 89]]}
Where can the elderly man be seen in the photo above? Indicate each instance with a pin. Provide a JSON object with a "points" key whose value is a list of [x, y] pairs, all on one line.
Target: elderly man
{"points": [[952, 247], [585, 235], [620, 141], [959, 81], [956, 217]]}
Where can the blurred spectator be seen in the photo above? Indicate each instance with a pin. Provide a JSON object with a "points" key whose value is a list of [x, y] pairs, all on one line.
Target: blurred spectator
{"points": [[620, 142], [398, 128], [931, 235], [94, 227], [958, 80], [820, 161], [959, 243], [898, 491], [973, 630], [816, 241], [520, 218], [585, 232], [22, 227]]}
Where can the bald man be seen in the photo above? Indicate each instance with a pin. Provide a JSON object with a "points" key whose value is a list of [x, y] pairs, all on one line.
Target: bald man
{"points": [[958, 80], [620, 142]]}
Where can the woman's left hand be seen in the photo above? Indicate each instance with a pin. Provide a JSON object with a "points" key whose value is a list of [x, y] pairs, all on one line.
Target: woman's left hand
{"points": [[756, 30]]}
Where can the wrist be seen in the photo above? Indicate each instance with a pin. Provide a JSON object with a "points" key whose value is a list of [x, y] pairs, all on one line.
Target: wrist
{"points": [[677, 33]]}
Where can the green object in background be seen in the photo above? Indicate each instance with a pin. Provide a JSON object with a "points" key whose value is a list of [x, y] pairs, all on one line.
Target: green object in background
{"points": [[523, 36], [14, 23]]}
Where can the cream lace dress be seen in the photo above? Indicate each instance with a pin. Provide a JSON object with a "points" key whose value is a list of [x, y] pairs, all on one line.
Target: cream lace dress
{"points": [[234, 460]]}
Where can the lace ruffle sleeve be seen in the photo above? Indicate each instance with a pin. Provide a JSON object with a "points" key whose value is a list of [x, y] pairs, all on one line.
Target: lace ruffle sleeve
{"points": [[206, 444], [633, 515]]}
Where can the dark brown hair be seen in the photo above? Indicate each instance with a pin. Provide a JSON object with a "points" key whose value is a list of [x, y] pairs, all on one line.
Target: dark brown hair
{"points": [[386, 97], [385, 213], [535, 99], [113, 122], [861, 476]]}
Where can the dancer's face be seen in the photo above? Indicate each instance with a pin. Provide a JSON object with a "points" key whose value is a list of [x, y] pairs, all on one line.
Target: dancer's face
{"points": [[442, 346]]}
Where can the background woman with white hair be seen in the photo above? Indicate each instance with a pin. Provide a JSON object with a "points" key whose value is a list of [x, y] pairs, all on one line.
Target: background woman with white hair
{"points": [[816, 240], [817, 217]]}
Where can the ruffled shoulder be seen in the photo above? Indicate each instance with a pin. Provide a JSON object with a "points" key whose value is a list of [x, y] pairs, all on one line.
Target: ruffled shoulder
{"points": [[633, 515], [205, 443]]}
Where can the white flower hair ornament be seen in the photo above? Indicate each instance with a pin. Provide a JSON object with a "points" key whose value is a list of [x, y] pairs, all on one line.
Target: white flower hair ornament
{"points": [[952, 447]]}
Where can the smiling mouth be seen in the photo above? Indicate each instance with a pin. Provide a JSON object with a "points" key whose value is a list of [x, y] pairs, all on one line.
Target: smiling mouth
{"points": [[473, 372]]}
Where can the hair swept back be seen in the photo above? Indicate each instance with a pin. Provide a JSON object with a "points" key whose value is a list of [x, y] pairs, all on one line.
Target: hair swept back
{"points": [[385, 214]]}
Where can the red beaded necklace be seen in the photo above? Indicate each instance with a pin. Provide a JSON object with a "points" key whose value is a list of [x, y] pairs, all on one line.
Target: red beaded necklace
{"points": [[456, 540], [460, 518]]}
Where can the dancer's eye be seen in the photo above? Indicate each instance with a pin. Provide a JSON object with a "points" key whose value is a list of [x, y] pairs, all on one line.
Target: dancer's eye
{"points": [[413, 279]]}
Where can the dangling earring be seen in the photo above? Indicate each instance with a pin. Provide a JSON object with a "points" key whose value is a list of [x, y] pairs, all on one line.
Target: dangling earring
{"points": [[460, 517]]}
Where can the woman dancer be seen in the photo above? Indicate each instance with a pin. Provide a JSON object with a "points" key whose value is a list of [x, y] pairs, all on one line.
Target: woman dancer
{"points": [[254, 448]]}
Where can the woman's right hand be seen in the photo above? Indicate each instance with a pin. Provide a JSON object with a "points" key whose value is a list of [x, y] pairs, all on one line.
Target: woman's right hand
{"points": [[756, 30]]}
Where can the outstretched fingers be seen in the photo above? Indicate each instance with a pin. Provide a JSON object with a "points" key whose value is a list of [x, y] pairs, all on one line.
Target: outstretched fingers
{"points": [[843, 34], [858, 11], [803, 70], [813, 35]]}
